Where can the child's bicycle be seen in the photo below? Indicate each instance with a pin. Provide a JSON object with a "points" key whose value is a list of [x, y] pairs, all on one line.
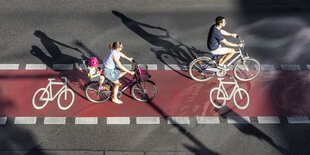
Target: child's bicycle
{"points": [[141, 89], [245, 68]]}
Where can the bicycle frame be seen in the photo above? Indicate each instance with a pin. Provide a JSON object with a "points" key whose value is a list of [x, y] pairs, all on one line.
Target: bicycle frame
{"points": [[49, 88], [221, 86]]}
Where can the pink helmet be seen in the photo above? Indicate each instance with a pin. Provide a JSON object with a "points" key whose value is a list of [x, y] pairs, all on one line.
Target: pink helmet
{"points": [[93, 62]]}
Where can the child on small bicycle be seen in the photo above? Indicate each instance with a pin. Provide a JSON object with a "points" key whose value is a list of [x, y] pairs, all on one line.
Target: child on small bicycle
{"points": [[95, 72]]}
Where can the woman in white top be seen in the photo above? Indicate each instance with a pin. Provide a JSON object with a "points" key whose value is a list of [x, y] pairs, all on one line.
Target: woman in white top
{"points": [[112, 67]]}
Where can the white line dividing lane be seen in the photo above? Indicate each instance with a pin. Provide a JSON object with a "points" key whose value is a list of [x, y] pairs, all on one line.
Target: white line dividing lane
{"points": [[118, 120], [175, 67], [298, 120], [3, 120], [152, 66], [208, 120], [147, 120], [9, 66], [25, 120], [86, 120], [268, 120], [291, 67], [36, 67], [63, 66], [178, 120], [55, 120], [238, 119], [268, 67]]}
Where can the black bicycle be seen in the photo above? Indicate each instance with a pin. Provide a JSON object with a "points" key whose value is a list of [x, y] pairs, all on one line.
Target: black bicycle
{"points": [[141, 88]]}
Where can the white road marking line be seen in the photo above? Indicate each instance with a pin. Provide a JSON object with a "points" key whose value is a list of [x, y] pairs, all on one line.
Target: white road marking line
{"points": [[55, 120], [82, 67], [3, 120], [86, 120], [308, 66], [35, 67], [208, 120], [298, 120], [9, 66], [238, 119], [118, 120], [25, 120], [268, 120], [152, 66], [175, 67], [178, 120], [148, 120], [268, 67], [290, 67], [63, 66]]}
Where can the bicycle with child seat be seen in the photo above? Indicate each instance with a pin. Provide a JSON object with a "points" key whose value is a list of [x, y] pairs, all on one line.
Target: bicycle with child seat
{"points": [[141, 89], [43, 95], [244, 68], [219, 95]]}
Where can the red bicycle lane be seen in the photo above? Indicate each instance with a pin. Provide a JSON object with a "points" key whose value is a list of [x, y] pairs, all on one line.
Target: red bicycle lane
{"points": [[273, 93]]}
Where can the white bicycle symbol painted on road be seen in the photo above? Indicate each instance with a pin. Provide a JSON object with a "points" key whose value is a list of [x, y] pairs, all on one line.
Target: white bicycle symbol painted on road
{"points": [[43, 95], [219, 95]]}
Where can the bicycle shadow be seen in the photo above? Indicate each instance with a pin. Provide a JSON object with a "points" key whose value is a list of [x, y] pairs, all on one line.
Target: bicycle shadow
{"points": [[56, 56], [165, 42], [248, 128]]}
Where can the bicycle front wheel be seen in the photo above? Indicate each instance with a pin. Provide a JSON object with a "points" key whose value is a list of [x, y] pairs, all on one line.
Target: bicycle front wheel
{"points": [[247, 70], [202, 69], [65, 99], [241, 98], [217, 98], [144, 90], [93, 95], [40, 98]]}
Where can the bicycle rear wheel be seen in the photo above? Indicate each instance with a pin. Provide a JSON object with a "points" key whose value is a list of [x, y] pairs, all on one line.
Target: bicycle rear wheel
{"points": [[217, 97], [144, 90], [94, 95], [247, 70], [202, 69], [40, 98]]}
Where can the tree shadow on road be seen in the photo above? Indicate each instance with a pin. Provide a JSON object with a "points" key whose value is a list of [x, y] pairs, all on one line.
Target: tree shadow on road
{"points": [[248, 128]]}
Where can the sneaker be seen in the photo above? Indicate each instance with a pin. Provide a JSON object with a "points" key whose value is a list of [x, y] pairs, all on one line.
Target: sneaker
{"points": [[221, 66], [101, 88]]}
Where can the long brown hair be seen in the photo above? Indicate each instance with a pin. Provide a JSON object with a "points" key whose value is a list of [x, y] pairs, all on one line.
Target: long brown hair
{"points": [[116, 45]]}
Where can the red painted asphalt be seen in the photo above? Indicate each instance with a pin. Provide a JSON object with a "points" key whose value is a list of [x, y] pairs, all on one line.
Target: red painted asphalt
{"points": [[273, 93]]}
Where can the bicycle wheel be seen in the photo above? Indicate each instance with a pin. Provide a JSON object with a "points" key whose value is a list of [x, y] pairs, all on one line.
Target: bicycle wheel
{"points": [[247, 70], [241, 98], [202, 69], [93, 95], [144, 90], [65, 101], [40, 98], [217, 97]]}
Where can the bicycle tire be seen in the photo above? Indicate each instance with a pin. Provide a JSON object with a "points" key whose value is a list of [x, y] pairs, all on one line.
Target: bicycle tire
{"points": [[197, 71], [213, 102], [34, 98], [72, 99], [92, 94], [247, 98], [247, 70], [144, 91]]}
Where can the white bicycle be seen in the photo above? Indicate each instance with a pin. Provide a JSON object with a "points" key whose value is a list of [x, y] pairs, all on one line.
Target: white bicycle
{"points": [[219, 95], [43, 95]]}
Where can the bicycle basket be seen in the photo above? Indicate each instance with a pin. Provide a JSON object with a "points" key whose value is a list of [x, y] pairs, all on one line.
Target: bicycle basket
{"points": [[143, 72]]}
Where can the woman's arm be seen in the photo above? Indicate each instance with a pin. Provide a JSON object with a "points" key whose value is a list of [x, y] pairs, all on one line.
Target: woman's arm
{"points": [[119, 64], [124, 56]]}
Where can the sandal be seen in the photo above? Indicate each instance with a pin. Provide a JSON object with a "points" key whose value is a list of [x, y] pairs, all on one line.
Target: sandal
{"points": [[117, 101]]}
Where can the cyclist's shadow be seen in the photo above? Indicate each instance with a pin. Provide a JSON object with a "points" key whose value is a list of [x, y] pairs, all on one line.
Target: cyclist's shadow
{"points": [[167, 48], [57, 57]]}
